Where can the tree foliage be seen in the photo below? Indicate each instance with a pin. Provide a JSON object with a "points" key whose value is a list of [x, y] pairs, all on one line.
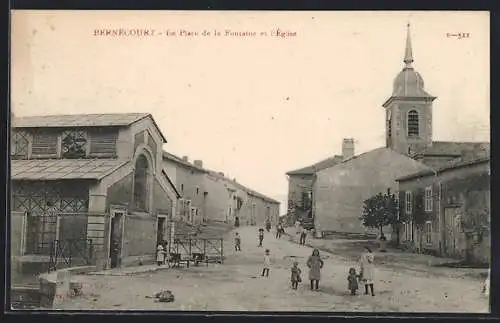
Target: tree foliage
{"points": [[380, 210]]}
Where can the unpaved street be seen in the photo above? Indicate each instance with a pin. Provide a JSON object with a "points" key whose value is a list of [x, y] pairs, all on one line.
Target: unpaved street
{"points": [[237, 285]]}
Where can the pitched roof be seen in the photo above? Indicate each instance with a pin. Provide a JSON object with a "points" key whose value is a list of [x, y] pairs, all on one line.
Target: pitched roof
{"points": [[453, 164], [78, 120], [62, 169], [385, 158], [310, 170], [82, 120], [453, 148], [178, 160]]}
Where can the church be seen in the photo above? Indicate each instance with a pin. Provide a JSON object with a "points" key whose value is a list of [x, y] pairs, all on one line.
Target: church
{"points": [[338, 190]]}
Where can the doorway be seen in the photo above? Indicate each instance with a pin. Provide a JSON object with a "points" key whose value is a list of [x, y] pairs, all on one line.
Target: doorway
{"points": [[160, 233], [115, 238]]}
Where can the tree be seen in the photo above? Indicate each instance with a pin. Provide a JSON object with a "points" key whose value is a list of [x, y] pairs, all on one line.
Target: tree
{"points": [[379, 211], [418, 215]]}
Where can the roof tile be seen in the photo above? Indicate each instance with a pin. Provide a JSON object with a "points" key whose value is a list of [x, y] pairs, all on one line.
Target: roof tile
{"points": [[63, 169]]}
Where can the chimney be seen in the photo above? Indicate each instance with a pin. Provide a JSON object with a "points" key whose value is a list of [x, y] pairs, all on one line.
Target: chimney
{"points": [[198, 163], [185, 158], [348, 148]]}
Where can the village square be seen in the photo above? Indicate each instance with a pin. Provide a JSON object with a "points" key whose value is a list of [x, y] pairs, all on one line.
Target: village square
{"points": [[104, 216]]}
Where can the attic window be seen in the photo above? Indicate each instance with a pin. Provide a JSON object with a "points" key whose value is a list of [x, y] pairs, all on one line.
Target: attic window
{"points": [[74, 144]]}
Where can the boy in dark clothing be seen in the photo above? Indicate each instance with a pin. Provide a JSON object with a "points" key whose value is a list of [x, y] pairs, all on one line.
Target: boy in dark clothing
{"points": [[261, 236]]}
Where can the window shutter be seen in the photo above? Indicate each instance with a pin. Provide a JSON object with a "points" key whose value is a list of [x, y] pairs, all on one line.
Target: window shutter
{"points": [[103, 142], [44, 143]]}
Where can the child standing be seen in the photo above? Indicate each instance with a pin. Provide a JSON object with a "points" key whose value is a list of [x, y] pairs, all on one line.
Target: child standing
{"points": [[160, 255], [261, 236], [237, 242], [352, 278], [267, 264], [296, 279]]}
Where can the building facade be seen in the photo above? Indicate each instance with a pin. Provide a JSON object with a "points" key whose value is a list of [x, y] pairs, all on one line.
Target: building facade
{"points": [[340, 191], [80, 180], [456, 203], [301, 181], [190, 181]]}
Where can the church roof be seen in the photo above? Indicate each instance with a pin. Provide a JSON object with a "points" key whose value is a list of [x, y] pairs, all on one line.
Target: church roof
{"points": [[310, 170], [455, 148], [454, 164]]}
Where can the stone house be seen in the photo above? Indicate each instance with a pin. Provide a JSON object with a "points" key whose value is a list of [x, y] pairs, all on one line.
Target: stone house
{"points": [[340, 191], [189, 178], [262, 209], [300, 183], [83, 183], [452, 194]]}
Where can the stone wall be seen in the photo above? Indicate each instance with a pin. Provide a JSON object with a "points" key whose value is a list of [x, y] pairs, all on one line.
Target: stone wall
{"points": [[161, 201], [120, 193], [139, 239]]}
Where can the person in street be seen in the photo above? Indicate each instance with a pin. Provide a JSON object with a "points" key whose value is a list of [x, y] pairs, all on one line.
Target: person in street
{"points": [[486, 285], [261, 236], [279, 231], [303, 234], [315, 264], [367, 270], [236, 222], [237, 242], [352, 279], [383, 242], [267, 263], [268, 226], [295, 277], [160, 255]]}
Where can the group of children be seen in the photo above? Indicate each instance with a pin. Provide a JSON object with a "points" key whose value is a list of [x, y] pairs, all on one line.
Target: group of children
{"points": [[353, 277]]}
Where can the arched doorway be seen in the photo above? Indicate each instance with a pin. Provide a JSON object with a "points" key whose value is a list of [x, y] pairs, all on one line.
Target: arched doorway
{"points": [[142, 173]]}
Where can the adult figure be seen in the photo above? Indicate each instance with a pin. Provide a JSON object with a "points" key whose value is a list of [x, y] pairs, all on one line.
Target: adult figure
{"points": [[367, 269], [279, 230], [315, 264], [236, 222], [303, 234]]}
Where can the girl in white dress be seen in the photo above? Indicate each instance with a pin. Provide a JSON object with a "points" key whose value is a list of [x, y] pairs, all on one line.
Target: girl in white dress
{"points": [[367, 270], [160, 255]]}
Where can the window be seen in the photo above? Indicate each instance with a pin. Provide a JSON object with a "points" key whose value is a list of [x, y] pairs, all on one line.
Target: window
{"points": [[182, 187], [413, 123], [389, 123], [428, 232], [428, 199], [74, 144], [197, 190], [408, 202]]}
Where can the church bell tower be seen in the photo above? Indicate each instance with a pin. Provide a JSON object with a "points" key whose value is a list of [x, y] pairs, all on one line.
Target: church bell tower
{"points": [[409, 109]]}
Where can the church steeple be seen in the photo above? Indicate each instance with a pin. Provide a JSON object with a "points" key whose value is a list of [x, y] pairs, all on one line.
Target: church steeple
{"points": [[408, 51], [409, 108]]}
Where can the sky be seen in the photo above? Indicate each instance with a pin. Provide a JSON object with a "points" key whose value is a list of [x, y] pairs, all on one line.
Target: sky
{"points": [[253, 107]]}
